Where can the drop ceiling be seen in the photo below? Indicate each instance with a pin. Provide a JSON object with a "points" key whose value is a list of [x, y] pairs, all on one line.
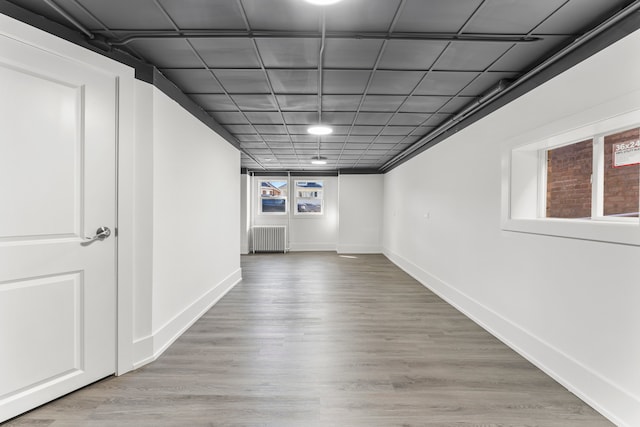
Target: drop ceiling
{"points": [[385, 74]]}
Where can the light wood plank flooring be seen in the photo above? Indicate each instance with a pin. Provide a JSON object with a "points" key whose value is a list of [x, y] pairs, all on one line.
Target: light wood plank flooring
{"points": [[314, 339]]}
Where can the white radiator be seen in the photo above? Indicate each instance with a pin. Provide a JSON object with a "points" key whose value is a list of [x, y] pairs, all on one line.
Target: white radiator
{"points": [[269, 238]]}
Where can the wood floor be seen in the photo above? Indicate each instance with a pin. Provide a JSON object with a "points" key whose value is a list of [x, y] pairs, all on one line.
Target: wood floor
{"points": [[315, 339]]}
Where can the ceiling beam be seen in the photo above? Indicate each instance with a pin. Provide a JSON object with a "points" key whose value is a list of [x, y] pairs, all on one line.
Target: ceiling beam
{"points": [[134, 35]]}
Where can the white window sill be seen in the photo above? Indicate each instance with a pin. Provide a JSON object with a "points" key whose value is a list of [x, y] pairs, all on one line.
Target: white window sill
{"points": [[626, 233]]}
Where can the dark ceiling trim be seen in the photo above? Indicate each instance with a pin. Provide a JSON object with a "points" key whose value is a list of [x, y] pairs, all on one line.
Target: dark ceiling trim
{"points": [[598, 42], [172, 91], [66, 33], [143, 71], [281, 173], [362, 171]]}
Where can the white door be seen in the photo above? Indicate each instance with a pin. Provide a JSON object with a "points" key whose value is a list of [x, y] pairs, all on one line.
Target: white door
{"points": [[57, 187]]}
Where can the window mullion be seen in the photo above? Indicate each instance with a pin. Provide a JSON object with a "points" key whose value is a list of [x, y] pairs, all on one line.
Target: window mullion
{"points": [[542, 183], [597, 178]]}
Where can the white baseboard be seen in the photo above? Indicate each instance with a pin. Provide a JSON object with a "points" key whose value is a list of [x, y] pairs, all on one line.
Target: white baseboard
{"points": [[618, 405], [149, 348], [359, 249]]}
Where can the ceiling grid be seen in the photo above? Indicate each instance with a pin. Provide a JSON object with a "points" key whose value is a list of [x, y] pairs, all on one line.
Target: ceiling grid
{"points": [[387, 75]]}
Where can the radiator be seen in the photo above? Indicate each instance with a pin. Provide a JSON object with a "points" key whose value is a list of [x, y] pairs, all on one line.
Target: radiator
{"points": [[269, 238]]}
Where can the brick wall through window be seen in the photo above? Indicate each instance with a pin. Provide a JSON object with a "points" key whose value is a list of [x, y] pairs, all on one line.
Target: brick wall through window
{"points": [[569, 171]]}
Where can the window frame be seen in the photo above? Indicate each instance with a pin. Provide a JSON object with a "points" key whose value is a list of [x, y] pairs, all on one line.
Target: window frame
{"points": [[524, 173], [319, 197], [285, 197]]}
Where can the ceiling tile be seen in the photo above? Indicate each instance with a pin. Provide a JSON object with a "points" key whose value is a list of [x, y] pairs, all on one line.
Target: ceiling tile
{"points": [[345, 81], [199, 14], [340, 102], [408, 119], [255, 102], [304, 138], [229, 118], [289, 53], [486, 81], [577, 16], [193, 80], [424, 104], [395, 82], [443, 83], [264, 117], [470, 56], [361, 15], [397, 130], [41, 8], [243, 81], [436, 16], [236, 129], [251, 145], [167, 53], [457, 104], [381, 146], [271, 129], [366, 130], [126, 14], [373, 118], [294, 81], [214, 102], [297, 102], [390, 139], [276, 15], [301, 118], [346, 53], [345, 118], [362, 138], [511, 17], [227, 52], [249, 139], [437, 119], [524, 55], [382, 102], [410, 54]]}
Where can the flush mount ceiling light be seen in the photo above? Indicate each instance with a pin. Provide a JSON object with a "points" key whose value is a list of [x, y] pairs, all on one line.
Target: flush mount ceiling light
{"points": [[319, 130], [322, 2], [319, 160]]}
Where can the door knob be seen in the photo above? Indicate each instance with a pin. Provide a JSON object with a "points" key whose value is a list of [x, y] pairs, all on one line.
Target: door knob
{"points": [[101, 234]]}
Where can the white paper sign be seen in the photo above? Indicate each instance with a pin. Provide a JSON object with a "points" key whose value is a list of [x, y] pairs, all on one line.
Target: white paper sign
{"points": [[626, 153]]}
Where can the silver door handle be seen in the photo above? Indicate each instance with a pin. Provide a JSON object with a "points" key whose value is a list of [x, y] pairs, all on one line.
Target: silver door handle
{"points": [[101, 234]]}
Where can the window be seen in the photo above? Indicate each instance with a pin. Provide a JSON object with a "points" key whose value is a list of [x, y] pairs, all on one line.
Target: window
{"points": [[575, 189], [622, 173], [273, 197], [569, 170], [309, 197], [584, 183]]}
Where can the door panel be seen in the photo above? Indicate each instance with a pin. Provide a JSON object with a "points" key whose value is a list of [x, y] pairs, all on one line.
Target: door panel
{"points": [[57, 186]]}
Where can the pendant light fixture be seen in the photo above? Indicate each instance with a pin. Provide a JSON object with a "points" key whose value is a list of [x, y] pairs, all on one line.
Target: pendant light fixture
{"points": [[319, 130]]}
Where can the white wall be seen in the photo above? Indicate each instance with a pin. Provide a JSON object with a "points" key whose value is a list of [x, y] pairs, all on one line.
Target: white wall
{"points": [[306, 233], [360, 225], [569, 305], [195, 221]]}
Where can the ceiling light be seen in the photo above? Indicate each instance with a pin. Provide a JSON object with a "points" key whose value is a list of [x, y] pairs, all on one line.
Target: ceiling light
{"points": [[319, 130], [322, 2], [319, 160]]}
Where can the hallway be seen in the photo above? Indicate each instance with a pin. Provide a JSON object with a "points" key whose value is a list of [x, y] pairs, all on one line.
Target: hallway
{"points": [[317, 339]]}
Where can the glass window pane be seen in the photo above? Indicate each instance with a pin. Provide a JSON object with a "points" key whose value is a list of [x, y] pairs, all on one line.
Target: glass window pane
{"points": [[621, 173], [273, 197], [569, 171]]}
